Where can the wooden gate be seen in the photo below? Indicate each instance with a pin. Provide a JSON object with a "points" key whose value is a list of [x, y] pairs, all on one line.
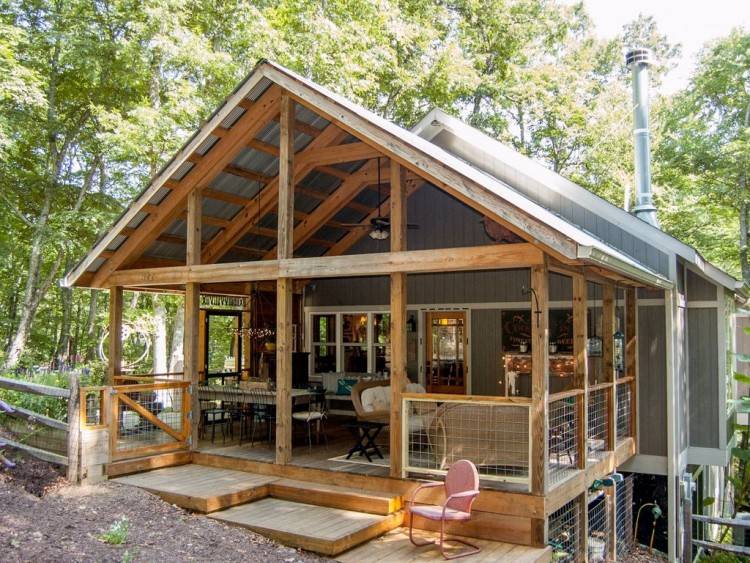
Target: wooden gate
{"points": [[148, 417]]}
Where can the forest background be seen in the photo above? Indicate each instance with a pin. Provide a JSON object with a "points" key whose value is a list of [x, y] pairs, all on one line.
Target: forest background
{"points": [[95, 95]]}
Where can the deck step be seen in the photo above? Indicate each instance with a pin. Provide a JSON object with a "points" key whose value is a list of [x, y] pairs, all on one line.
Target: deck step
{"points": [[324, 530], [334, 496], [201, 488]]}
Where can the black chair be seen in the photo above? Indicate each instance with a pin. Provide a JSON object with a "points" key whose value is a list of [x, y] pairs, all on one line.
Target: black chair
{"points": [[315, 414], [262, 411], [214, 413]]}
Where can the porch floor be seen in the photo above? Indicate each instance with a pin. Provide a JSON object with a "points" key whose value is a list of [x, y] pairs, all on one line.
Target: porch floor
{"points": [[395, 546]]}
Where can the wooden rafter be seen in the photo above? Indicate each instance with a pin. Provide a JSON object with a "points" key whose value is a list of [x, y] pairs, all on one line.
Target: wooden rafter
{"points": [[328, 208], [220, 155], [265, 201]]}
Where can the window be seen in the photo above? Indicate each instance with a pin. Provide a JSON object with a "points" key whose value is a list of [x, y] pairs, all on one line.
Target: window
{"points": [[324, 343], [353, 342]]}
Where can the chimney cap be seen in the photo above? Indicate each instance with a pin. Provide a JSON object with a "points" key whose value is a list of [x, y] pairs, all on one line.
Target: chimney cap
{"points": [[638, 55]]}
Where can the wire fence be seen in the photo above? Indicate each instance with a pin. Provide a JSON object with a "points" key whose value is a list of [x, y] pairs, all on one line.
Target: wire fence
{"points": [[624, 516], [624, 410], [599, 530], [598, 425], [494, 435], [562, 440], [565, 528]]}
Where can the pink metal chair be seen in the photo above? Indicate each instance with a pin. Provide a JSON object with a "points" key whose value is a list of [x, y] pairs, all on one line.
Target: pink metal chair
{"points": [[461, 488]]}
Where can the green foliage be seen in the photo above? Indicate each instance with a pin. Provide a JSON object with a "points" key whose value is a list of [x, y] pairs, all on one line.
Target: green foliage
{"points": [[96, 96], [54, 407], [117, 534]]}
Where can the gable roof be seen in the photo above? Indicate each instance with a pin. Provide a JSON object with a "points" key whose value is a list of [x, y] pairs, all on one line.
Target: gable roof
{"points": [[531, 177], [475, 186]]}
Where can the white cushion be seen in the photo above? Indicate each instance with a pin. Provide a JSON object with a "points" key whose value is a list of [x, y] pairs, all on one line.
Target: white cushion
{"points": [[415, 388]]}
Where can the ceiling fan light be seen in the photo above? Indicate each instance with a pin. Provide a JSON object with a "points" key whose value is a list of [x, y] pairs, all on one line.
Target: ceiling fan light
{"points": [[379, 234]]}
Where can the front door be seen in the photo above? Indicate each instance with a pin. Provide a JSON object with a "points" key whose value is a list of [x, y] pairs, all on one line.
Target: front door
{"points": [[446, 368]]}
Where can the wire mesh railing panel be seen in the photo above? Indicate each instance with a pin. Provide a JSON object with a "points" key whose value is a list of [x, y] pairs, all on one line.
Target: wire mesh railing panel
{"points": [[565, 529], [599, 532], [494, 435], [562, 441], [624, 410], [598, 426], [624, 516], [149, 417]]}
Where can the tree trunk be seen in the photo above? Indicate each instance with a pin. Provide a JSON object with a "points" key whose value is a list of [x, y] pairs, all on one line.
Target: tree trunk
{"points": [[64, 340], [91, 335], [160, 335], [176, 362]]}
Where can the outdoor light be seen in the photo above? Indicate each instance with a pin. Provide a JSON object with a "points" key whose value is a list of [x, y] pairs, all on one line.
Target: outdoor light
{"points": [[379, 233]]}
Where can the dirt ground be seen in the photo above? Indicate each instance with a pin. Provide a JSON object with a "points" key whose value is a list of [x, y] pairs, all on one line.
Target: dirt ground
{"points": [[42, 519], [641, 555]]}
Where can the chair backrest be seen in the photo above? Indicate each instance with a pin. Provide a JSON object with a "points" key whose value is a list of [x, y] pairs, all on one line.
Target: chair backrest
{"points": [[462, 476], [357, 394]]}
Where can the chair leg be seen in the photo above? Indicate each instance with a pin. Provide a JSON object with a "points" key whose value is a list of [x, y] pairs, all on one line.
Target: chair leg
{"points": [[418, 543]]}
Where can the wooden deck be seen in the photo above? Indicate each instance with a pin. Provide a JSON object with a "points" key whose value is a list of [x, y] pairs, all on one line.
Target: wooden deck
{"points": [[395, 547], [200, 488], [324, 530]]}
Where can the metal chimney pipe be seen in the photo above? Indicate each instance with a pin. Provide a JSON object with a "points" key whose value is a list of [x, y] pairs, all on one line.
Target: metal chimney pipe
{"points": [[638, 60]]}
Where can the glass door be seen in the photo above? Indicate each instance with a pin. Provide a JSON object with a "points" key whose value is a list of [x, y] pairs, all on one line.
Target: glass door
{"points": [[445, 352]]}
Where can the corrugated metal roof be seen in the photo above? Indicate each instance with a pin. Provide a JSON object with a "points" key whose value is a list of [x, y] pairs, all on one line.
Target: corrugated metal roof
{"points": [[159, 196]]}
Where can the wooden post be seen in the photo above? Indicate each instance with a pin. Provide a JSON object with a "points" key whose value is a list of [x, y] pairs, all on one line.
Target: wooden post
{"points": [[285, 249], [611, 505], [191, 340], [608, 360], [74, 429], [398, 318], [115, 334], [283, 371], [631, 357], [580, 336], [539, 377], [583, 525], [190, 356], [687, 523]]}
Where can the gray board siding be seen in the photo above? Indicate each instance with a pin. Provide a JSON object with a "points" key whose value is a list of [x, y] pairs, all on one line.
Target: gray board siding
{"points": [[699, 288], [703, 367], [627, 242], [652, 381]]}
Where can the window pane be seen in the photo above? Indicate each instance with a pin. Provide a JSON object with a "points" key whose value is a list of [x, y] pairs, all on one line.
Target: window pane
{"points": [[222, 343], [324, 328], [382, 358], [354, 329], [324, 358], [382, 328], [355, 359]]}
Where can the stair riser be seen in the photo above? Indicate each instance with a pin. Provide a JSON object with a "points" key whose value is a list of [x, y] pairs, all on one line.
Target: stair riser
{"points": [[343, 500]]}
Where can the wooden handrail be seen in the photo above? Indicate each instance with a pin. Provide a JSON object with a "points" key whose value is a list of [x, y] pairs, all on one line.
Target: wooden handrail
{"points": [[447, 397], [722, 521], [627, 379], [599, 386], [565, 395]]}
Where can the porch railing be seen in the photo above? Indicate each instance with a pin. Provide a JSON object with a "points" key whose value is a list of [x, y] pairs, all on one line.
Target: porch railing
{"points": [[493, 433], [148, 418], [564, 415], [624, 409]]}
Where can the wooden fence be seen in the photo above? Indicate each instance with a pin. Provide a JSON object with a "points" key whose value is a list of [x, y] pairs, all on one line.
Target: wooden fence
{"points": [[44, 437]]}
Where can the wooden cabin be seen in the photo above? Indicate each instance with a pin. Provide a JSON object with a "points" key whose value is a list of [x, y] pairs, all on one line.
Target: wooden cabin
{"points": [[507, 316]]}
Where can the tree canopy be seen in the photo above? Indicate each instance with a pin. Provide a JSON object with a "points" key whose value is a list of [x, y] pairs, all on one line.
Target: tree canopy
{"points": [[95, 95]]}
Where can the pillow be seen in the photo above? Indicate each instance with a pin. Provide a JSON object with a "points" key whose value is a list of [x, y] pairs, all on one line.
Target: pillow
{"points": [[368, 398], [344, 386], [415, 388]]}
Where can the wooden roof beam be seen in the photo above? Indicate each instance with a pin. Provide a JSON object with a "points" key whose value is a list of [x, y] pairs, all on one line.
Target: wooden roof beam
{"points": [[488, 257], [221, 154]]}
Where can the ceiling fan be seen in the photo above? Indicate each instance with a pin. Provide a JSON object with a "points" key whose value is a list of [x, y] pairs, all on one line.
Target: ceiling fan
{"points": [[380, 225]]}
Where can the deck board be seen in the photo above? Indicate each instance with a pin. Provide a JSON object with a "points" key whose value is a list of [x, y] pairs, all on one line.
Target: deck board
{"points": [[325, 530], [201, 488], [395, 547]]}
